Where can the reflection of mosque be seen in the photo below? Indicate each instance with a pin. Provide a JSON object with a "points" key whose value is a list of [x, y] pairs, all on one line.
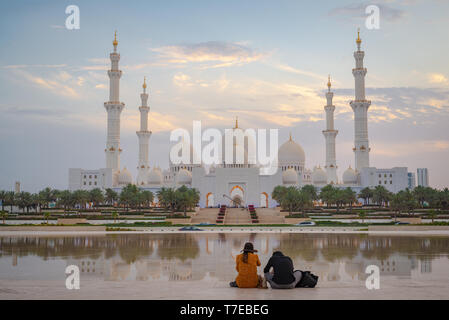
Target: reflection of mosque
{"points": [[210, 257], [217, 252], [89, 267]]}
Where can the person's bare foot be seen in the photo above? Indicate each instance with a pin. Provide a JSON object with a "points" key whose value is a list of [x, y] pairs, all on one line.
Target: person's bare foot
{"points": [[264, 283]]}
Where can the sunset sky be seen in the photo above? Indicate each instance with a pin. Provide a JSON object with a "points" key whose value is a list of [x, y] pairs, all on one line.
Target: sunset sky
{"points": [[266, 62]]}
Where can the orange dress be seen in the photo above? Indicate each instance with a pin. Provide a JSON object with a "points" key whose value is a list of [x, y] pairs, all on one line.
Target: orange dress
{"points": [[247, 277]]}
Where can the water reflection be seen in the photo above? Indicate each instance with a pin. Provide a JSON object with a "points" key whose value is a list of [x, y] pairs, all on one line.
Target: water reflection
{"points": [[185, 257]]}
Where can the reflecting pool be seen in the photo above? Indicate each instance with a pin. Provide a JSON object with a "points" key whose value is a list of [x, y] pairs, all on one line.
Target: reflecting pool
{"points": [[187, 257]]}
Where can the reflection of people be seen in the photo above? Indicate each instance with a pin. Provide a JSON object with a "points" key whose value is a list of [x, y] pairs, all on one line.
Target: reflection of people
{"points": [[283, 276], [246, 265]]}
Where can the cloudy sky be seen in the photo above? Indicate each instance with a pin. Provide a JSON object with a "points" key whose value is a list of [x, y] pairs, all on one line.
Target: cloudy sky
{"points": [[264, 61]]}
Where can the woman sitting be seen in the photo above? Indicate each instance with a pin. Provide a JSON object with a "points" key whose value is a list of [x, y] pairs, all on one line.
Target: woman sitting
{"points": [[246, 265]]}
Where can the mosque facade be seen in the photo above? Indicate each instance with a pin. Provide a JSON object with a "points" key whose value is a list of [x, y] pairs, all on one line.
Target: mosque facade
{"points": [[244, 182]]}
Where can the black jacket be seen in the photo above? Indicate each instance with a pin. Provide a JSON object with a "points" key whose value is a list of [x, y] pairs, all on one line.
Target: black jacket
{"points": [[283, 268]]}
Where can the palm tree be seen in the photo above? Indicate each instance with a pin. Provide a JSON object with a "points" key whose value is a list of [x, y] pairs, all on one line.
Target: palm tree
{"points": [[66, 199], [46, 195], [381, 196], [111, 196], [340, 198], [290, 199], [129, 196], [37, 201], [444, 195], [278, 193], [304, 200], [81, 197], [396, 204], [10, 199], [195, 196], [23, 200], [167, 198], [409, 200], [366, 194], [4, 215], [182, 199], [96, 196], [186, 198], [311, 192], [328, 194], [54, 195], [420, 194], [3, 197], [350, 197]]}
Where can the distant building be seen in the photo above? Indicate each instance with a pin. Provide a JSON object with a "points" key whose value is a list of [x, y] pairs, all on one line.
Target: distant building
{"points": [[394, 179], [80, 179], [423, 177], [17, 187], [411, 180]]}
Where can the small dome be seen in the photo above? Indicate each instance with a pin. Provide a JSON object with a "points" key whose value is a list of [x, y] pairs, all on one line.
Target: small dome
{"points": [[349, 176], [125, 177], [291, 153], [289, 176], [155, 176], [183, 177], [319, 176]]}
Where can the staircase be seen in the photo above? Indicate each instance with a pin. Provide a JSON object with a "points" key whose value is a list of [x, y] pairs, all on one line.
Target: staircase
{"points": [[269, 216], [206, 215], [237, 216]]}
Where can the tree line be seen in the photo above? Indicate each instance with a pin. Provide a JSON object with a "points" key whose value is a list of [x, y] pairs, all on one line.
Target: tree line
{"points": [[299, 199], [181, 199], [130, 197]]}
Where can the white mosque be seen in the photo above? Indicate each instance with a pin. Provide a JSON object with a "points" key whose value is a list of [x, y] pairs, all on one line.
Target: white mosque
{"points": [[245, 182]]}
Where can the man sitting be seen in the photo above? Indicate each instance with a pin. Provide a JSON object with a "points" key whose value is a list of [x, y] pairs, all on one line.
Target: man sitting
{"points": [[284, 276]]}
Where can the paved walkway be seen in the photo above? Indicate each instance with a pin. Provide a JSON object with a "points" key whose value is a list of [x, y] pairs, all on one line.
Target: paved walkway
{"points": [[215, 289]]}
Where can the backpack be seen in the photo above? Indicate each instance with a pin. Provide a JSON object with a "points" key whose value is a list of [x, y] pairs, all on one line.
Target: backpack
{"points": [[308, 280]]}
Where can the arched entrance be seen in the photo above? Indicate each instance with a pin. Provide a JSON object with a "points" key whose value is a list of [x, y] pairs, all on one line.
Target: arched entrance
{"points": [[210, 201], [236, 195], [264, 199]]}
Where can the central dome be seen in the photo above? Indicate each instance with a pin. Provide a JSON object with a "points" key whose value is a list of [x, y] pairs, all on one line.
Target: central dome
{"points": [[291, 153]]}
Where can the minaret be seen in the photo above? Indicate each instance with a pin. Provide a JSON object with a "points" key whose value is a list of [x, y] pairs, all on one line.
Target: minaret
{"points": [[114, 108], [144, 137], [329, 134], [360, 107]]}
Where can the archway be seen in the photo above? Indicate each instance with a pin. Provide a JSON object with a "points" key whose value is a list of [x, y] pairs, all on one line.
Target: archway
{"points": [[236, 195], [237, 200], [210, 200], [264, 199]]}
